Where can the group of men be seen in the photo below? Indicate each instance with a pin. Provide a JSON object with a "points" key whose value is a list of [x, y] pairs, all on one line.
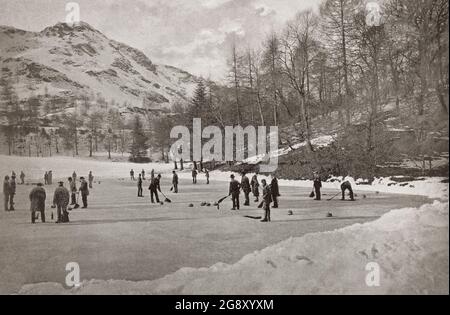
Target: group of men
{"points": [[270, 193], [141, 175], [154, 187], [61, 198], [195, 174]]}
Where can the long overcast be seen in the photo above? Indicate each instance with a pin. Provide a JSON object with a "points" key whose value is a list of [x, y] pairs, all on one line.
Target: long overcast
{"points": [[194, 35]]}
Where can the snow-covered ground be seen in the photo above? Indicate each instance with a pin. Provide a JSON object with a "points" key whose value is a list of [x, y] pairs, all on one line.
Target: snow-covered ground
{"points": [[62, 167], [410, 246]]}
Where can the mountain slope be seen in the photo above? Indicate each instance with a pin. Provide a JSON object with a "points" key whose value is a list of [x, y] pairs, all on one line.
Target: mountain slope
{"points": [[76, 61]]}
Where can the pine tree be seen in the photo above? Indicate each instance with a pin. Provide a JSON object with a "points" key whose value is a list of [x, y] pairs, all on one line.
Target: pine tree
{"points": [[139, 145]]}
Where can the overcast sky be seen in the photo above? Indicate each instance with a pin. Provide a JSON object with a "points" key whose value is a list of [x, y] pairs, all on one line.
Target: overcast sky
{"points": [[194, 35]]}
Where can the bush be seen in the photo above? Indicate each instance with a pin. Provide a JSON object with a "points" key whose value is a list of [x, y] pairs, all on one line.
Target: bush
{"points": [[140, 160]]}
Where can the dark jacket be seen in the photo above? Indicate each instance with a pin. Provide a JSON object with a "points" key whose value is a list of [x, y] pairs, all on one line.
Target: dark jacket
{"points": [[255, 185], [37, 198], [267, 194], [139, 182], [274, 187], [61, 197], [235, 187], [73, 187], [155, 184], [84, 188], [317, 183], [6, 188], [175, 179], [12, 186], [245, 184]]}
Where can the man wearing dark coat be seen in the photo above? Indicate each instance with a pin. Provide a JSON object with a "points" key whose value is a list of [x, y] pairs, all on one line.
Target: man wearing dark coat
{"points": [[317, 186], [61, 201], [37, 199], [12, 192], [245, 184], [139, 185], [347, 186], [275, 191], [255, 187], [207, 176], [84, 190], [194, 176], [267, 199], [234, 191], [6, 192], [154, 187], [175, 182]]}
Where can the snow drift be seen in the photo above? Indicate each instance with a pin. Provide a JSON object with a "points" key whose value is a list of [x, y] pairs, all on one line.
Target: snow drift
{"points": [[410, 246]]}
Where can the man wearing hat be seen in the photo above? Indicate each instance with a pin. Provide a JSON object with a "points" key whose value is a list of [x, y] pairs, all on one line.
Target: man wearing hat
{"points": [[275, 191], [37, 199], [12, 191], [84, 192], [267, 199], [234, 191], [154, 188], [61, 201], [317, 186], [245, 184]]}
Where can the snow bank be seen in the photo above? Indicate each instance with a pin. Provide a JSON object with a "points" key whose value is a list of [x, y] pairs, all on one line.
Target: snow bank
{"points": [[410, 246]]}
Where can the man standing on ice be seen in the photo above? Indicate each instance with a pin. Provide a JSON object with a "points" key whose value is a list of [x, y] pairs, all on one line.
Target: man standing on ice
{"points": [[84, 192], [275, 191], [234, 191], [317, 186], [22, 178], [175, 182], [12, 192], [73, 191], [154, 187], [245, 184], [61, 201], [143, 174], [132, 174], [6, 191], [267, 199], [255, 187], [207, 176], [152, 174], [50, 177], [74, 176], [194, 176], [140, 190], [90, 179], [37, 199]]}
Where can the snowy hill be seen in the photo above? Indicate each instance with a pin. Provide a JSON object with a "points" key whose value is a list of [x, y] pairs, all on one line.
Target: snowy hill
{"points": [[69, 62]]}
